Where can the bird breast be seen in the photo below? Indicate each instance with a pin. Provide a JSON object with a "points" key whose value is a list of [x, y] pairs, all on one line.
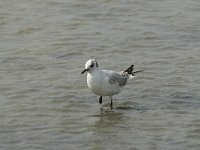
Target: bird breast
{"points": [[99, 85]]}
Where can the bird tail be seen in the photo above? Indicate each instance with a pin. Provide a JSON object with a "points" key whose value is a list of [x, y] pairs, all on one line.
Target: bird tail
{"points": [[130, 71]]}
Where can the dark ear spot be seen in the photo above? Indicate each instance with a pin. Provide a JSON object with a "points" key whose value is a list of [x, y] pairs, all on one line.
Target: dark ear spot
{"points": [[92, 65], [97, 65]]}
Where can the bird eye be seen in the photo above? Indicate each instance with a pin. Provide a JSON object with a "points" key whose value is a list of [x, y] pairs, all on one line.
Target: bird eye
{"points": [[91, 65]]}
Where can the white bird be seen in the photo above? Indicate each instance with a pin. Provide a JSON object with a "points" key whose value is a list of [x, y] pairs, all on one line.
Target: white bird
{"points": [[106, 82]]}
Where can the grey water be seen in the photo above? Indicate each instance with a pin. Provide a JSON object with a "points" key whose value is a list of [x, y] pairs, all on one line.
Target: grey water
{"points": [[44, 100]]}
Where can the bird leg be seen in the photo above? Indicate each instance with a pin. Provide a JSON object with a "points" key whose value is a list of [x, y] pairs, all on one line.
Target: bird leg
{"points": [[100, 99], [111, 103]]}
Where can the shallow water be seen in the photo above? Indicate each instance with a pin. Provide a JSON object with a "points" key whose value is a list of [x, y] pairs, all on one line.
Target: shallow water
{"points": [[45, 102]]}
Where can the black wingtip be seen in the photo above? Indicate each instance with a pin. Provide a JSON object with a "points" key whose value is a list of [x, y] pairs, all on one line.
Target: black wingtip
{"points": [[133, 73], [129, 70]]}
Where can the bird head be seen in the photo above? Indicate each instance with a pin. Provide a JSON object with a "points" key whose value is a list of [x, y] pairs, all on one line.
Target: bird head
{"points": [[90, 66]]}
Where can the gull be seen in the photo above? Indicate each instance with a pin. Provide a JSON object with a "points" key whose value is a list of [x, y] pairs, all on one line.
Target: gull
{"points": [[106, 82]]}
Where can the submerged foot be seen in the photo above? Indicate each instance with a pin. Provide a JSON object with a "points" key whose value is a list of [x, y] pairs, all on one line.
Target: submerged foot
{"points": [[111, 104]]}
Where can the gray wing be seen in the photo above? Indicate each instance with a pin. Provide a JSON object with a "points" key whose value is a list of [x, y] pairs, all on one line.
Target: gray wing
{"points": [[116, 78]]}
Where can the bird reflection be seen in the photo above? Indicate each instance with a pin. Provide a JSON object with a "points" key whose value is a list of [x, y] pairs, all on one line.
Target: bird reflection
{"points": [[112, 118], [108, 118]]}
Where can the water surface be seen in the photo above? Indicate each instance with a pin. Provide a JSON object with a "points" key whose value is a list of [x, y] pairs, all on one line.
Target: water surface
{"points": [[44, 100]]}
